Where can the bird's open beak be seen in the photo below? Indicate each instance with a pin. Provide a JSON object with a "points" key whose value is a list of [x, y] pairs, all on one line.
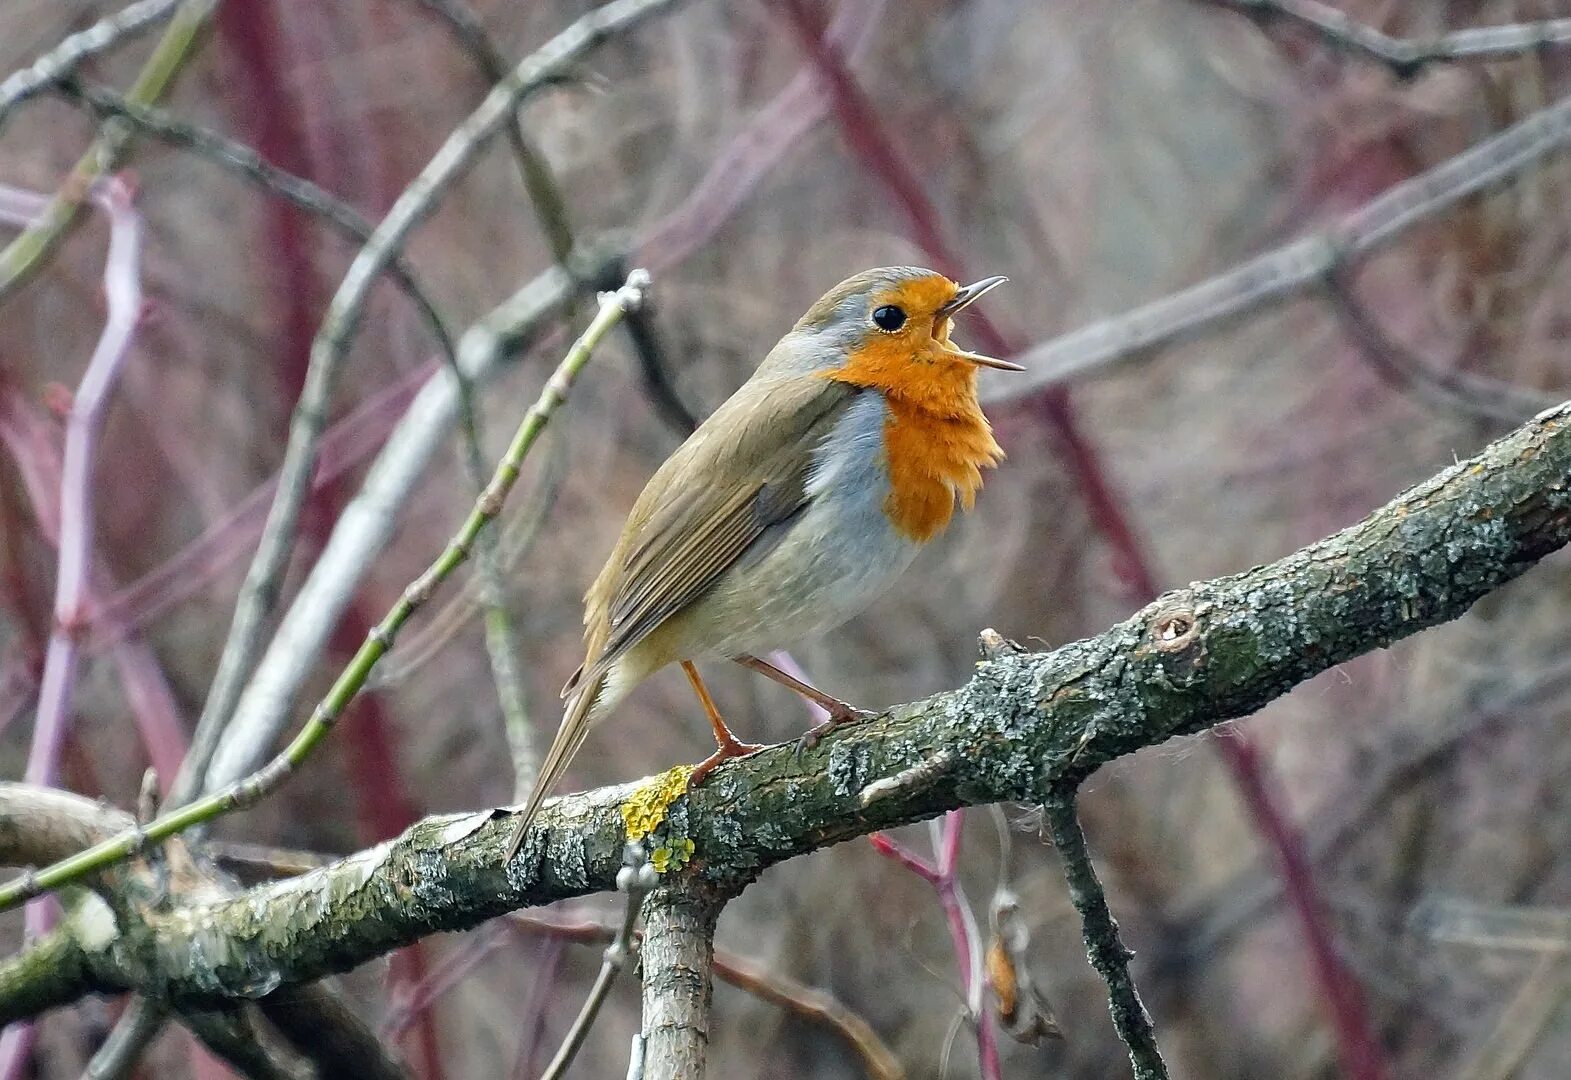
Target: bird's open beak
{"points": [[963, 299]]}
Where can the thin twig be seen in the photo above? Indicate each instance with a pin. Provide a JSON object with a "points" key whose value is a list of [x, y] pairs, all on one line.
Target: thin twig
{"points": [[239, 159], [117, 1057], [1293, 267], [545, 194], [1473, 397], [28, 253], [637, 879], [123, 295], [943, 874], [501, 639], [59, 62], [248, 790], [366, 524], [1406, 57], [246, 743], [764, 982], [1104, 948]]}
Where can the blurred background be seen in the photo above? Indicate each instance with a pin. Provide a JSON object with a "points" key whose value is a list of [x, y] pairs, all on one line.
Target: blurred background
{"points": [[1100, 155]]}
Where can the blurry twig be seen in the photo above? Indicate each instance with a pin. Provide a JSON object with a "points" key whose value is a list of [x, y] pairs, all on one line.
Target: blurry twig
{"points": [[247, 738], [123, 293], [944, 876], [637, 879], [758, 148], [27, 254], [1522, 1023], [1500, 927], [539, 182], [1471, 396], [518, 536], [133, 1032], [259, 861], [245, 162], [326, 1032], [1523, 1020], [1294, 267], [763, 982], [250, 789], [1104, 948], [236, 1036], [59, 62], [1406, 57], [1226, 910]]}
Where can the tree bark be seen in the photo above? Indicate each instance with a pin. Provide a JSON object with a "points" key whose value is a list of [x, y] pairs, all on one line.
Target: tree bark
{"points": [[677, 960]]}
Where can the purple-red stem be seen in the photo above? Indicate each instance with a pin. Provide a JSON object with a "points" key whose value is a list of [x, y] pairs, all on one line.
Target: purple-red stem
{"points": [[863, 130], [123, 299], [123, 293], [944, 876], [28, 436]]}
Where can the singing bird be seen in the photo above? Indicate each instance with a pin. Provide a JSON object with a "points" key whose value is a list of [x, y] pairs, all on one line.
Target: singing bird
{"points": [[795, 504]]}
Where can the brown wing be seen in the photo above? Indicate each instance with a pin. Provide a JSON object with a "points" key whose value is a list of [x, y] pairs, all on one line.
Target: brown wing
{"points": [[744, 470]]}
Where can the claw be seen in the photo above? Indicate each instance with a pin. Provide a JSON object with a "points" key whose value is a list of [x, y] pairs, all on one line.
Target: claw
{"points": [[724, 752], [840, 714]]}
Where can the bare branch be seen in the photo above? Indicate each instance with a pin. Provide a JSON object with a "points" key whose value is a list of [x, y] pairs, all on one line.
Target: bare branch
{"points": [[1294, 267], [58, 63], [1406, 57], [1104, 947]]}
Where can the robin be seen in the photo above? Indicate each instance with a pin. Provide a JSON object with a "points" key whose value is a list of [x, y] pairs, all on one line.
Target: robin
{"points": [[795, 504]]}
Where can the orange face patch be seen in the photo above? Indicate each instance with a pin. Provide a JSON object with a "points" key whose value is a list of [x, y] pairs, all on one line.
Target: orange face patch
{"points": [[936, 440]]}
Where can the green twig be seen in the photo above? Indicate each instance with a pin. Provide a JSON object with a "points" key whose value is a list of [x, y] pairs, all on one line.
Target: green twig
{"points": [[26, 255], [251, 789]]}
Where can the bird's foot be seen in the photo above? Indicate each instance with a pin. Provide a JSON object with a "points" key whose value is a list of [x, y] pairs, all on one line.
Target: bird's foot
{"points": [[840, 714], [725, 751]]}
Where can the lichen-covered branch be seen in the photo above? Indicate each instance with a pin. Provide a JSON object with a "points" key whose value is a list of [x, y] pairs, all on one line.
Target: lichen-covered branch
{"points": [[1023, 728], [1104, 947]]}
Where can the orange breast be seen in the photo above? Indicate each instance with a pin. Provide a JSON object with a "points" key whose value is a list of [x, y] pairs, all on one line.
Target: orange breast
{"points": [[936, 439]]}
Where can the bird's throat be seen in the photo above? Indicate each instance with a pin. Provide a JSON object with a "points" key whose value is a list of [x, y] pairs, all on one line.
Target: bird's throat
{"points": [[936, 439]]}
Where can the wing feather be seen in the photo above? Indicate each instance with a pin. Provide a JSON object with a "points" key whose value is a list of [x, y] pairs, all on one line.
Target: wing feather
{"points": [[744, 470]]}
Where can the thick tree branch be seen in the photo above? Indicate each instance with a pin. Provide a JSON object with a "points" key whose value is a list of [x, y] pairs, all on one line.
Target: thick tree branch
{"points": [[1021, 729]]}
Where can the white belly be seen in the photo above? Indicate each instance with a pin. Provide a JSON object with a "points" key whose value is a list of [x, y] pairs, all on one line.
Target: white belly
{"points": [[827, 564]]}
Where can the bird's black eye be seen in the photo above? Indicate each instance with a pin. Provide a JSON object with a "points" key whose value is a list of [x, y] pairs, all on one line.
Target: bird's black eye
{"points": [[889, 318]]}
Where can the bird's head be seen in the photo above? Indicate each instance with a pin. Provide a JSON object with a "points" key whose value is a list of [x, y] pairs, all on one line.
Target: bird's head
{"points": [[889, 329]]}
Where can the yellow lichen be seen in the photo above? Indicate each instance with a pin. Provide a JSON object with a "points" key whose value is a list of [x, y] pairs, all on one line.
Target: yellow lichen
{"points": [[646, 809], [673, 856]]}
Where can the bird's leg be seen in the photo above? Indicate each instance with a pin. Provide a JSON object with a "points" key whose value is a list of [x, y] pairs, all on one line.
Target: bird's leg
{"points": [[727, 745], [839, 711]]}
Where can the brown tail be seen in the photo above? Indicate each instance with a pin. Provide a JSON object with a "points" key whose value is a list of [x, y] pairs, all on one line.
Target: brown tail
{"points": [[569, 737]]}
